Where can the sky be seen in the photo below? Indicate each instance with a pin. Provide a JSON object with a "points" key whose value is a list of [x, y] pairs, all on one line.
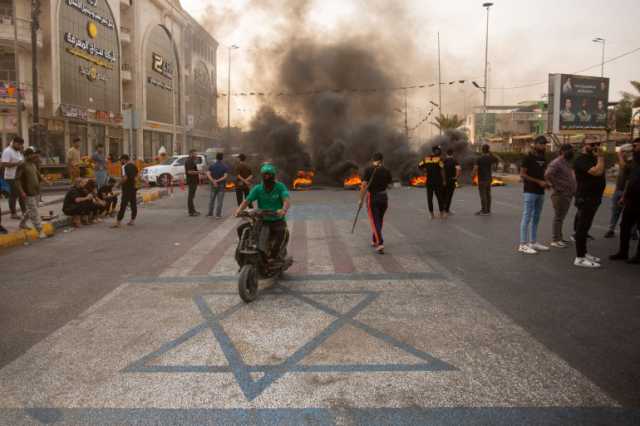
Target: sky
{"points": [[527, 41]]}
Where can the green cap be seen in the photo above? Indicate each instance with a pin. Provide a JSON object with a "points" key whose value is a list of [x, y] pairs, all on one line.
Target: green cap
{"points": [[268, 169]]}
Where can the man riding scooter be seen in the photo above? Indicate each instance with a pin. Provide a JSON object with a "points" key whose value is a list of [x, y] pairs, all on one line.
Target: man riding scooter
{"points": [[271, 196]]}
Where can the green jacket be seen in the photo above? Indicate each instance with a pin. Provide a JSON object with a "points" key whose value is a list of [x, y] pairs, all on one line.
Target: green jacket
{"points": [[28, 179]]}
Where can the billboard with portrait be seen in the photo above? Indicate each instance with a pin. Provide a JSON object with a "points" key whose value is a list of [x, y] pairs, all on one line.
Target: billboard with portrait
{"points": [[578, 102]]}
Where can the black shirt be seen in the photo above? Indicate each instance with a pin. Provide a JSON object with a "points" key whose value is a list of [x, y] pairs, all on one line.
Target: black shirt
{"points": [[130, 171], [378, 181], [433, 167], [191, 166], [104, 192], [589, 186], [485, 163], [632, 193], [450, 168], [536, 165], [70, 199]]}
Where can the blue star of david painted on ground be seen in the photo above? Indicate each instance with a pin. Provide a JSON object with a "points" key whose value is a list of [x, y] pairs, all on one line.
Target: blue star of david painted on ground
{"points": [[242, 372]]}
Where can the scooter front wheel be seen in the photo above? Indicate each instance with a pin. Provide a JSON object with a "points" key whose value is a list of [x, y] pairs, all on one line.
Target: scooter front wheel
{"points": [[248, 283]]}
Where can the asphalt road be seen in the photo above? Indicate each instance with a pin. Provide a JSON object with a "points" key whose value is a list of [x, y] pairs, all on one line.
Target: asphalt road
{"points": [[452, 326]]}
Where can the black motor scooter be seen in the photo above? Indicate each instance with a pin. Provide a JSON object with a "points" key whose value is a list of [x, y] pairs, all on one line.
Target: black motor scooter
{"points": [[252, 254]]}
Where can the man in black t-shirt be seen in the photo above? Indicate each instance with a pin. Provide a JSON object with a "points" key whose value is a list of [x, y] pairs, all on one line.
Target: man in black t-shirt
{"points": [[631, 214], [483, 170], [534, 165], [129, 191], [590, 176], [452, 172], [434, 169], [193, 179], [78, 203], [375, 181]]}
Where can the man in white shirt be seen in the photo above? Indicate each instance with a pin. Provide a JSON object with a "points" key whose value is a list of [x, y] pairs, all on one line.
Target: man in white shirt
{"points": [[11, 158]]}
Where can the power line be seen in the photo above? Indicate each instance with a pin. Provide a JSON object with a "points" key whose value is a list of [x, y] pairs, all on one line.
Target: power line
{"points": [[538, 83]]}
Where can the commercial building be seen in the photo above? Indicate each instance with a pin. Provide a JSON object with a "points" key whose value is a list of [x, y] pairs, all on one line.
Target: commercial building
{"points": [[105, 64]]}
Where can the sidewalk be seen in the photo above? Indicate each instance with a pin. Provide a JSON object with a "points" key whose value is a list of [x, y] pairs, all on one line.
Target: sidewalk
{"points": [[53, 206]]}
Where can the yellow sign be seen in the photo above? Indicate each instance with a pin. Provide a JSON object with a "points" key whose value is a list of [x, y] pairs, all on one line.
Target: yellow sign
{"points": [[92, 29], [81, 54]]}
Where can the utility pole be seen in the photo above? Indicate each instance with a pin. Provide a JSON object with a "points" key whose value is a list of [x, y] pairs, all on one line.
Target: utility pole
{"points": [[603, 42], [439, 81], [406, 120], [486, 5], [17, 68], [229, 96], [35, 26]]}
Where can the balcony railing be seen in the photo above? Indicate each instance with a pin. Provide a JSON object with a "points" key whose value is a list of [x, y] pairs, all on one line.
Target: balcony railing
{"points": [[7, 33]]}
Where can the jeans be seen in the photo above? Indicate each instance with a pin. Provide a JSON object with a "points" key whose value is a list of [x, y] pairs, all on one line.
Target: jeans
{"points": [[531, 216], [101, 178], [217, 193], [438, 191], [630, 220], [193, 186], [377, 204], [484, 188], [129, 196], [32, 214], [561, 206], [587, 209], [14, 196]]}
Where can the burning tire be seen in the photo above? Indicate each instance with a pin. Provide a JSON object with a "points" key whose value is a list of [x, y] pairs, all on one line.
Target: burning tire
{"points": [[248, 283]]}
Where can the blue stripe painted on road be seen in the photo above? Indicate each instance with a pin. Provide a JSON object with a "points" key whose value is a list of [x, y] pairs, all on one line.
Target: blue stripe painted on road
{"points": [[415, 416], [223, 279]]}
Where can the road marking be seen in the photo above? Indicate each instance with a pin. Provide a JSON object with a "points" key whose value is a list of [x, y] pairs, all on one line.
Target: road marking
{"points": [[196, 253], [468, 233]]}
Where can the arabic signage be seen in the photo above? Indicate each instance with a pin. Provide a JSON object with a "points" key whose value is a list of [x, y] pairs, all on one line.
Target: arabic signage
{"points": [[89, 52], [578, 102], [162, 77]]}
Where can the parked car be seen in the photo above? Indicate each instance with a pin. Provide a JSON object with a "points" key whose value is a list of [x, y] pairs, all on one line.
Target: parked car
{"points": [[171, 170]]}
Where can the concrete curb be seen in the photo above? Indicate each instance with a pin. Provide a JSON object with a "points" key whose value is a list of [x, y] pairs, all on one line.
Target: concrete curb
{"points": [[21, 237]]}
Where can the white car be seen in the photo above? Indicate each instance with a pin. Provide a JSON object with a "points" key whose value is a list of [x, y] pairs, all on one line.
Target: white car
{"points": [[171, 171]]}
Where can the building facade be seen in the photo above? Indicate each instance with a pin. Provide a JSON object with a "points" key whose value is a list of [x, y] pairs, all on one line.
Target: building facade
{"points": [[133, 75]]}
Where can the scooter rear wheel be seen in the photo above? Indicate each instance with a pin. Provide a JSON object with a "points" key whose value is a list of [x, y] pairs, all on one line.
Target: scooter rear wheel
{"points": [[248, 284]]}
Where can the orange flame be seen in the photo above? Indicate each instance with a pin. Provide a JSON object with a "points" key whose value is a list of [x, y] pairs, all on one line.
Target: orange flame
{"points": [[418, 181], [230, 186], [494, 181], [304, 179], [353, 181]]}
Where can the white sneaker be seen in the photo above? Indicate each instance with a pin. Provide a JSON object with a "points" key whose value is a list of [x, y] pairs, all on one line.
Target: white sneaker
{"points": [[558, 244], [538, 247], [572, 239], [526, 249], [593, 258], [583, 262], [42, 235]]}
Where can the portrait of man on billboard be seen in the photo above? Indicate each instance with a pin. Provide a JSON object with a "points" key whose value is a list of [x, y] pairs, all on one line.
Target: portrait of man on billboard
{"points": [[601, 113], [567, 115], [584, 116]]}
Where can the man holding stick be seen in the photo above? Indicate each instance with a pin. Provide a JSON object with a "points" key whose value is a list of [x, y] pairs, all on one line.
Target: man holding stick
{"points": [[375, 181]]}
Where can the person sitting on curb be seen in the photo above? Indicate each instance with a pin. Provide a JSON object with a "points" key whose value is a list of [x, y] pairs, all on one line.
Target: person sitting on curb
{"points": [[78, 203], [98, 203], [105, 193]]}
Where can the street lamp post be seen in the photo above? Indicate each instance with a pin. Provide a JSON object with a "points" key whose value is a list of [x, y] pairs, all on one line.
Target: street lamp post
{"points": [[604, 43], [487, 6], [229, 96]]}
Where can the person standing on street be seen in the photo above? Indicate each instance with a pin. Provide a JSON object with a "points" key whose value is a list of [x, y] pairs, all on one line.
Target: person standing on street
{"points": [[483, 171], [12, 158], [375, 181], [73, 160], [532, 173], [244, 179], [623, 175], [28, 181], [563, 181], [434, 169], [129, 191], [452, 171], [631, 213], [590, 176], [217, 175], [100, 166], [193, 179]]}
